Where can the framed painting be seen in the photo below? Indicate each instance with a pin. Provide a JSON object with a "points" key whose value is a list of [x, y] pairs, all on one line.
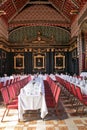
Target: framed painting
{"points": [[39, 62], [59, 61], [19, 62]]}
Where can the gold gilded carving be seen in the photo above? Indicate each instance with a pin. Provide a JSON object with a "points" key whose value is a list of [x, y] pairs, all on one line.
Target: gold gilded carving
{"points": [[48, 50], [52, 50]]}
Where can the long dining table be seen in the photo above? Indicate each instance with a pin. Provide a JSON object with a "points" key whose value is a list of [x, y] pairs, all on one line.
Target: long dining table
{"points": [[32, 97]]}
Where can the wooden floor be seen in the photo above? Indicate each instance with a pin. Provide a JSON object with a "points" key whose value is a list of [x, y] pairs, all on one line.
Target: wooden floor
{"points": [[68, 119]]}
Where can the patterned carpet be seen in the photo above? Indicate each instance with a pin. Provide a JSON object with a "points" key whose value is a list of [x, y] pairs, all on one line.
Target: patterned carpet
{"points": [[68, 119]]}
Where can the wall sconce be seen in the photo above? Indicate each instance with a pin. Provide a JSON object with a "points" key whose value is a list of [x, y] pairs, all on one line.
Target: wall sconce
{"points": [[74, 11]]}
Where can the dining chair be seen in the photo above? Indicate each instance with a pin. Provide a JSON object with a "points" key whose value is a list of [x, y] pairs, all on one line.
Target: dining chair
{"points": [[6, 83], [48, 92], [9, 104], [74, 100], [16, 88], [55, 90], [57, 97], [82, 99], [11, 81], [68, 89], [54, 103], [52, 93], [1, 85], [11, 92], [52, 86]]}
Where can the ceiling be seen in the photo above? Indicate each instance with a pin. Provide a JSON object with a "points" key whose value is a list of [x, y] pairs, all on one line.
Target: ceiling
{"points": [[68, 8], [38, 15]]}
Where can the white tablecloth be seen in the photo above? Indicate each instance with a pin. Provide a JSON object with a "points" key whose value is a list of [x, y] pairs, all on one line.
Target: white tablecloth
{"points": [[32, 101], [83, 74]]}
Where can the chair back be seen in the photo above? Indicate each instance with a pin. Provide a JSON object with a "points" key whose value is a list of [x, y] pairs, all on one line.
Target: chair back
{"points": [[55, 90], [1, 85], [11, 81], [5, 95], [79, 93], [7, 83], [68, 86], [16, 88], [73, 89], [11, 91], [57, 95]]}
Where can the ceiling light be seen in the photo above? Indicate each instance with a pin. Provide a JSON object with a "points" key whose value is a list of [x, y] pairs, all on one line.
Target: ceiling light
{"points": [[2, 12], [74, 11]]}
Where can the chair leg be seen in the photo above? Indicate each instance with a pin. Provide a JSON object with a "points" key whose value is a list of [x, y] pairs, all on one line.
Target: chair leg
{"points": [[75, 103], [4, 115], [79, 106], [83, 109], [7, 112], [57, 112]]}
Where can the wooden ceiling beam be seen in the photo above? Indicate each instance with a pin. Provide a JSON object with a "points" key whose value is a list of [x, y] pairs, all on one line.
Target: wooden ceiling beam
{"points": [[75, 3], [14, 5], [18, 10], [63, 5], [56, 7]]}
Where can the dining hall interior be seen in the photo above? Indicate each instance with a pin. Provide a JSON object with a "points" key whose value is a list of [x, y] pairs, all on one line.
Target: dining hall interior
{"points": [[43, 64]]}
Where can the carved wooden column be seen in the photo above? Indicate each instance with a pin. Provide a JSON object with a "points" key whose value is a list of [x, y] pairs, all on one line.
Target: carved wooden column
{"points": [[52, 61], [48, 61], [79, 47], [85, 42]]}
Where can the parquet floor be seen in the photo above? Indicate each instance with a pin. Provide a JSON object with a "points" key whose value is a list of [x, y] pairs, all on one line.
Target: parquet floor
{"points": [[67, 119]]}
